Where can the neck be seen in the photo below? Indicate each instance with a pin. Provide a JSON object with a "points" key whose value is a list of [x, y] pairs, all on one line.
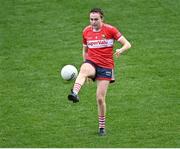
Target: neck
{"points": [[98, 29]]}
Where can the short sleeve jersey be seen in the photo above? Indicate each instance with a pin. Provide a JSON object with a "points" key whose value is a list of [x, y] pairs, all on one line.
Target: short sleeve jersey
{"points": [[100, 44]]}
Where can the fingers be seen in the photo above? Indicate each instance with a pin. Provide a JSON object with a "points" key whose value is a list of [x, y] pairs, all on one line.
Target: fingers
{"points": [[117, 54]]}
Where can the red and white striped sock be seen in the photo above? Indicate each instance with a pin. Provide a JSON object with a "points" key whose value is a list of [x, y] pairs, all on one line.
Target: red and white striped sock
{"points": [[76, 88], [102, 121]]}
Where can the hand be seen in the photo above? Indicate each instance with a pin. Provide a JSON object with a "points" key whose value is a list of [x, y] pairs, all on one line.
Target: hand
{"points": [[118, 52]]}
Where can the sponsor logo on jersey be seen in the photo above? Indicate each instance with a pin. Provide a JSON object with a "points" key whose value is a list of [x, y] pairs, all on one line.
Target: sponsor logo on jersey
{"points": [[100, 43]]}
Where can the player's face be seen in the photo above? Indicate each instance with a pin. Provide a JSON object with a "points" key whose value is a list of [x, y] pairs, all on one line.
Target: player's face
{"points": [[95, 20]]}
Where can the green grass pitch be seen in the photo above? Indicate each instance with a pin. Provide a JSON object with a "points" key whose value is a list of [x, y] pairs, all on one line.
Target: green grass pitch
{"points": [[38, 37]]}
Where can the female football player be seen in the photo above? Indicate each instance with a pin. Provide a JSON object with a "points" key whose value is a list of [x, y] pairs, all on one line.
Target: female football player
{"points": [[98, 40]]}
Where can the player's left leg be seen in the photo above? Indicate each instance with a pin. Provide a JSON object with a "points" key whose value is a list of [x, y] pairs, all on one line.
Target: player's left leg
{"points": [[102, 86]]}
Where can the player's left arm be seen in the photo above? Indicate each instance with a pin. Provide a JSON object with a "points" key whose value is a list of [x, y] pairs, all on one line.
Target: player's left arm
{"points": [[125, 45]]}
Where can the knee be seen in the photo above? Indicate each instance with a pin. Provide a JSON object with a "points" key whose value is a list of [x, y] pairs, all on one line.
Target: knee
{"points": [[87, 70], [82, 74], [101, 100]]}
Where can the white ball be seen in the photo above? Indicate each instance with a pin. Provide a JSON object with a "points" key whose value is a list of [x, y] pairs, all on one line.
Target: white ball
{"points": [[69, 72]]}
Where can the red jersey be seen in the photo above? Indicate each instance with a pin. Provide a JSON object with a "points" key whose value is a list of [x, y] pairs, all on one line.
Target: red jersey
{"points": [[100, 44]]}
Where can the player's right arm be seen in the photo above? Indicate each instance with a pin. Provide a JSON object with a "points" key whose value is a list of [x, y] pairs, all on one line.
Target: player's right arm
{"points": [[84, 43], [84, 52]]}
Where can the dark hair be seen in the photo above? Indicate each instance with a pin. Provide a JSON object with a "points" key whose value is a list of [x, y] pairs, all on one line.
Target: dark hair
{"points": [[98, 10]]}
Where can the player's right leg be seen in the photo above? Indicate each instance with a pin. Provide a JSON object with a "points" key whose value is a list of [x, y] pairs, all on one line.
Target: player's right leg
{"points": [[86, 70]]}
